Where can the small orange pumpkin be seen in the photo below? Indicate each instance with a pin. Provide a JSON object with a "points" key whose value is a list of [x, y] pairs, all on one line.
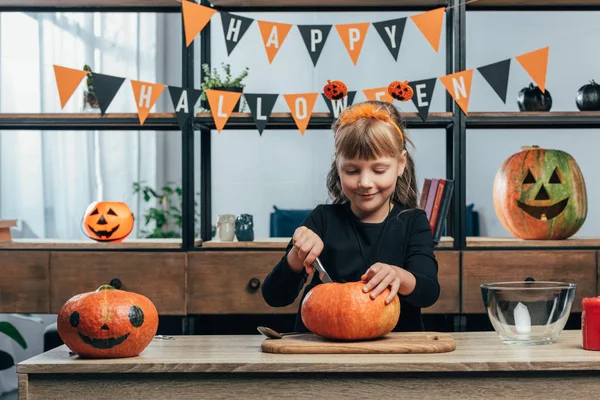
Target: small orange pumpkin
{"points": [[108, 221], [342, 311], [335, 90], [400, 90], [107, 323]]}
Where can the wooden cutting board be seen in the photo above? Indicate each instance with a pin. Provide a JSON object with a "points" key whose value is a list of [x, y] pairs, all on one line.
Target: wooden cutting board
{"points": [[393, 343]]}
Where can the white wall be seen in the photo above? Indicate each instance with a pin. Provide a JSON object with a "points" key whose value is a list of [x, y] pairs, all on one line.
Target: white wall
{"points": [[252, 173]]}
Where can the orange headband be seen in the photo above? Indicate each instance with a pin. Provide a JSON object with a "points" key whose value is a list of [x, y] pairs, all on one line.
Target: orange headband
{"points": [[366, 110]]}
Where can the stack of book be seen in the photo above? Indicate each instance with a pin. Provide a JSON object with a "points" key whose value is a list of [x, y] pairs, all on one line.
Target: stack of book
{"points": [[435, 200]]}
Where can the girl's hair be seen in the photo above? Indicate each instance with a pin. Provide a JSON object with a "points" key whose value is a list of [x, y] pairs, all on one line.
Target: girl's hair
{"points": [[369, 130]]}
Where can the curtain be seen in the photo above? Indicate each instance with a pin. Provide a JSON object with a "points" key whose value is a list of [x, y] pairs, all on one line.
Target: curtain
{"points": [[48, 178]]}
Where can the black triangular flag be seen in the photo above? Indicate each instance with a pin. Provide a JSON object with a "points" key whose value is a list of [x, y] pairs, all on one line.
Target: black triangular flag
{"points": [[261, 105], [391, 32], [314, 37], [234, 28], [106, 88], [337, 106], [496, 75], [184, 101], [422, 94]]}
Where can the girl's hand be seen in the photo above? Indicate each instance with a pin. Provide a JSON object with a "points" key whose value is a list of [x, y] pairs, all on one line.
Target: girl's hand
{"points": [[380, 276], [307, 247]]}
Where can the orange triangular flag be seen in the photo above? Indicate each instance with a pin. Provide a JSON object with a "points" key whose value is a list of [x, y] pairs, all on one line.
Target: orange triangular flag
{"points": [[353, 36], [459, 87], [301, 106], [378, 94], [273, 34], [430, 24], [67, 80], [195, 18], [222, 103], [536, 64], [145, 94]]}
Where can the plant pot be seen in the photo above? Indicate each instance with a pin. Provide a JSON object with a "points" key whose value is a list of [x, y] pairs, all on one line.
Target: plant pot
{"points": [[232, 89], [90, 102]]}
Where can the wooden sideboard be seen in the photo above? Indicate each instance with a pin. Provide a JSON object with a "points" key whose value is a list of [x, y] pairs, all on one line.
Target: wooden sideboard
{"points": [[227, 281]]}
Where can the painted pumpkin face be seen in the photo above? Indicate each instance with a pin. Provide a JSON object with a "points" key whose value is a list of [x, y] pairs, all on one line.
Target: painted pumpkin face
{"points": [[108, 221], [335, 90], [400, 90], [107, 323], [540, 194]]}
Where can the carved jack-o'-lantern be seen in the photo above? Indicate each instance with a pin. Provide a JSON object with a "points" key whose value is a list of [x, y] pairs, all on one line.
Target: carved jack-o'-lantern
{"points": [[107, 323], [540, 194], [108, 221], [335, 90], [400, 90]]}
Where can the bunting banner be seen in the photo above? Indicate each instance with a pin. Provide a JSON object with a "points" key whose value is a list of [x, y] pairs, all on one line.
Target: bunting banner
{"points": [[222, 102], [196, 17]]}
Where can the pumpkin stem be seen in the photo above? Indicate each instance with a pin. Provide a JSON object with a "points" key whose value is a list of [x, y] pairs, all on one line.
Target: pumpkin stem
{"points": [[105, 287], [533, 147], [592, 82]]}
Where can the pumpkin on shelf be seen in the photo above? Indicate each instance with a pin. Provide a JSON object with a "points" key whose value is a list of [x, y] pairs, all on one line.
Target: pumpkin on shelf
{"points": [[107, 323], [400, 91], [108, 221], [588, 97], [540, 194], [532, 98], [335, 90], [342, 311]]}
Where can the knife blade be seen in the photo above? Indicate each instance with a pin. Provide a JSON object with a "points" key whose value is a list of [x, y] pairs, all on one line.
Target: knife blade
{"points": [[325, 278]]}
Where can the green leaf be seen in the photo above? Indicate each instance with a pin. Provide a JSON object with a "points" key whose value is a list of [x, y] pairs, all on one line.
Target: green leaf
{"points": [[8, 329], [6, 360]]}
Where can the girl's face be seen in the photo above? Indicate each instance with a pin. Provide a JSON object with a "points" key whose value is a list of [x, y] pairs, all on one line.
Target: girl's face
{"points": [[369, 184]]}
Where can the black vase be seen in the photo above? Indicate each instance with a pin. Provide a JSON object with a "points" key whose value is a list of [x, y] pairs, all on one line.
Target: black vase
{"points": [[244, 228]]}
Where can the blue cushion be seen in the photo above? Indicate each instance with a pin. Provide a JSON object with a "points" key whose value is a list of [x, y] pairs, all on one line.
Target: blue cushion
{"points": [[283, 223]]}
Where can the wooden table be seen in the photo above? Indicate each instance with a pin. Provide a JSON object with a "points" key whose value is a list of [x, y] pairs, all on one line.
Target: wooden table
{"points": [[210, 367]]}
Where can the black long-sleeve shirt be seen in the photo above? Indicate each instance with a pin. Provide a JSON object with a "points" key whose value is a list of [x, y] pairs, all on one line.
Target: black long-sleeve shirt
{"points": [[403, 240]]}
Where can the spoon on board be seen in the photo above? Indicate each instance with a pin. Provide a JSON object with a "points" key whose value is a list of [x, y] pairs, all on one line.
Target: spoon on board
{"points": [[273, 334]]}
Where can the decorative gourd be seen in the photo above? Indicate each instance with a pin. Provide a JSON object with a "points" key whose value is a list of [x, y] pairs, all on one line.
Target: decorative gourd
{"points": [[400, 90], [335, 90], [342, 311], [540, 194], [107, 323], [588, 97], [533, 99], [108, 221]]}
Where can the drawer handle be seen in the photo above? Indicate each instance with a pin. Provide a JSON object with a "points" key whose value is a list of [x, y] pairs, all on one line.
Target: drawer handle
{"points": [[529, 279], [116, 283], [254, 283]]}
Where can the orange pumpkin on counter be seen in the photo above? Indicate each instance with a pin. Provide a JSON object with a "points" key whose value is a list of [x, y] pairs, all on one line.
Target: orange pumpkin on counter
{"points": [[342, 311], [107, 323], [108, 221]]}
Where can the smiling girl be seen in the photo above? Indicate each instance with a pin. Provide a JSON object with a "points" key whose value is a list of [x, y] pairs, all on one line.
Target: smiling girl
{"points": [[373, 232]]}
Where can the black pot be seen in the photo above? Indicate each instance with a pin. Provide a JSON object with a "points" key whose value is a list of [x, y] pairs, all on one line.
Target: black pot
{"points": [[232, 89], [588, 97], [532, 98]]}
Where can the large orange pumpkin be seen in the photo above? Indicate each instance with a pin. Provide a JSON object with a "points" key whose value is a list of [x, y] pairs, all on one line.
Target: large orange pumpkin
{"points": [[540, 194], [108, 221], [107, 323], [342, 311]]}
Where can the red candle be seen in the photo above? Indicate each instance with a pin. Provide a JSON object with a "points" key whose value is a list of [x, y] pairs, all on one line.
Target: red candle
{"points": [[590, 323]]}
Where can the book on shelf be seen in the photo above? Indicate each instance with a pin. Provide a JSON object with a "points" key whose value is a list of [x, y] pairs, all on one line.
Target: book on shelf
{"points": [[435, 201]]}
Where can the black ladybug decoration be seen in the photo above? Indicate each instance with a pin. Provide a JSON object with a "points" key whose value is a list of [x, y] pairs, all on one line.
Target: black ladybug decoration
{"points": [[400, 90], [335, 90]]}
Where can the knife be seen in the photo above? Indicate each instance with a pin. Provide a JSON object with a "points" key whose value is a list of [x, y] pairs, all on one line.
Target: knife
{"points": [[325, 278]]}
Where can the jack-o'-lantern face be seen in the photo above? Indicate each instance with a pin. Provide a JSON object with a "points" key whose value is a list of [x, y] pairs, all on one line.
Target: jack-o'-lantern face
{"points": [[400, 90], [108, 221], [335, 90], [540, 194], [107, 323]]}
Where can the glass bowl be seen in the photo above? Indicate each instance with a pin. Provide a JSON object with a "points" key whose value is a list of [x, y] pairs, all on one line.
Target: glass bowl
{"points": [[528, 312]]}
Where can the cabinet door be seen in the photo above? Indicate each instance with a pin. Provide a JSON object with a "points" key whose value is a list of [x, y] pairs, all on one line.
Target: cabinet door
{"points": [[24, 283], [571, 266], [156, 275]]}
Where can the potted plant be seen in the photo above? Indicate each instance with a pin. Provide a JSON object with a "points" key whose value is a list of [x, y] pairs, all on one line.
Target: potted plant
{"points": [[166, 216], [90, 100], [213, 80]]}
